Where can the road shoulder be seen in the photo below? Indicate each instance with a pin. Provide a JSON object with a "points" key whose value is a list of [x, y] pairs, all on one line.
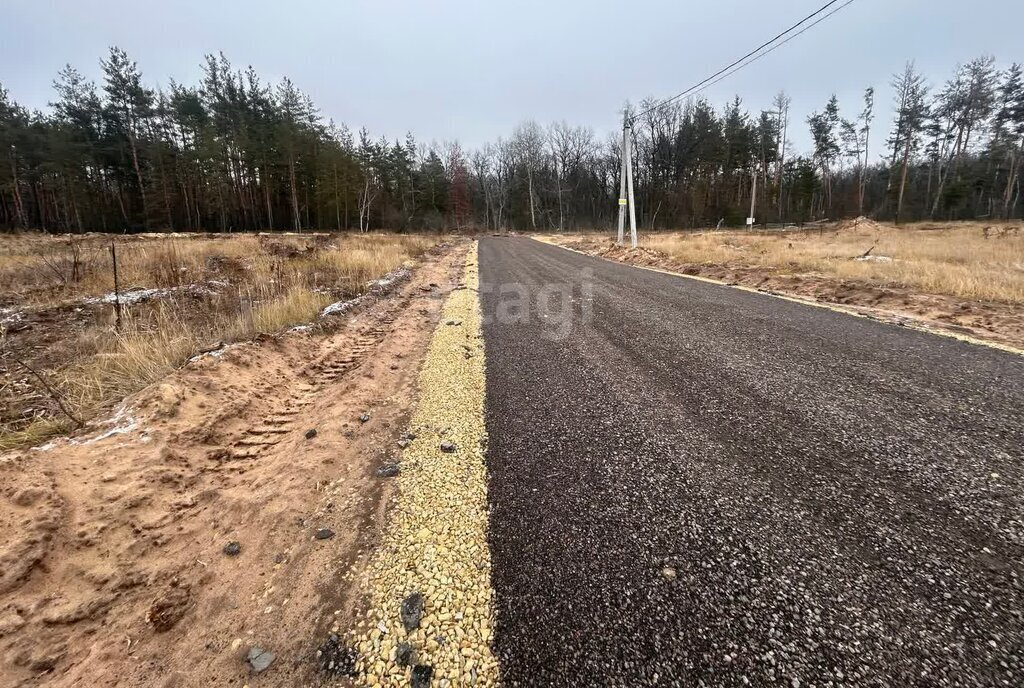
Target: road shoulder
{"points": [[429, 615]]}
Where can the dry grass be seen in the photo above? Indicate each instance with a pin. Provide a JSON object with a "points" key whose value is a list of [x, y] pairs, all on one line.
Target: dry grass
{"points": [[33, 434], [249, 284], [144, 352], [295, 306], [363, 258], [45, 270], [961, 260]]}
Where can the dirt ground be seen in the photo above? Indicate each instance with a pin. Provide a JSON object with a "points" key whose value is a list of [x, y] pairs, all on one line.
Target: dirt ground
{"points": [[113, 567], [997, 321]]}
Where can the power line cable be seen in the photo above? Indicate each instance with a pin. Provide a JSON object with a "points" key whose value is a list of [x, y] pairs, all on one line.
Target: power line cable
{"points": [[750, 57], [769, 50]]}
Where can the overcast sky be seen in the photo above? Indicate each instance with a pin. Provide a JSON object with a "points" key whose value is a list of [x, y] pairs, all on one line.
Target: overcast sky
{"points": [[472, 69]]}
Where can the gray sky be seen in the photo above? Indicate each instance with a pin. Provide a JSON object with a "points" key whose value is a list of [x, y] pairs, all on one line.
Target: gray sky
{"points": [[472, 70]]}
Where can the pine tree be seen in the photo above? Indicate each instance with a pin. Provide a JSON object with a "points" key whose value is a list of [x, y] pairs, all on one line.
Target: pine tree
{"points": [[129, 107], [1008, 135], [824, 127], [911, 113]]}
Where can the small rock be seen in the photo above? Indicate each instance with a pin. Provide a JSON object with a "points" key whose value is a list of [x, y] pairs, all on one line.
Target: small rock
{"points": [[403, 443], [412, 611], [388, 470], [454, 322], [28, 496], [421, 675], [669, 573], [337, 659], [324, 534], [410, 436], [10, 621], [447, 447], [364, 417], [259, 660], [405, 655], [232, 549], [311, 433], [169, 608], [47, 661]]}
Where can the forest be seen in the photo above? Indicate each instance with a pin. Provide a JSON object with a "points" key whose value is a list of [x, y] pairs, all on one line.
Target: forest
{"points": [[235, 153]]}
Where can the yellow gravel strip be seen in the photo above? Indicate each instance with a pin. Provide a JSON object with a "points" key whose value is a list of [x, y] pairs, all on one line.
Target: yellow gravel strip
{"points": [[436, 541]]}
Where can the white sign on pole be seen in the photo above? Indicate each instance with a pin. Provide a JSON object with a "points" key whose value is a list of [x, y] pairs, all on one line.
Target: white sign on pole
{"points": [[750, 221]]}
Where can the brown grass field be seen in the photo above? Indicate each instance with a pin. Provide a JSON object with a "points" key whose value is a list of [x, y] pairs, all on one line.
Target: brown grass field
{"points": [[62, 345], [961, 260]]}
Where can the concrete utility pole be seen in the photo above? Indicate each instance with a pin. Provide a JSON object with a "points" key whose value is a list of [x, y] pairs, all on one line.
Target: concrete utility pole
{"points": [[629, 183], [622, 185], [626, 196], [753, 195]]}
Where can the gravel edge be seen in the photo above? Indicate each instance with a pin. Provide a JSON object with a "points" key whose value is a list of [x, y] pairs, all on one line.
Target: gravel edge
{"points": [[435, 543]]}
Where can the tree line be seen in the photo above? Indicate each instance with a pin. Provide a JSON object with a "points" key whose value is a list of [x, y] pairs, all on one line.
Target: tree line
{"points": [[234, 153]]}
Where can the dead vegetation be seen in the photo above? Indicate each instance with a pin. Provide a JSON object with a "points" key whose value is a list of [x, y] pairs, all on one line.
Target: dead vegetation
{"points": [[964, 260], [63, 344]]}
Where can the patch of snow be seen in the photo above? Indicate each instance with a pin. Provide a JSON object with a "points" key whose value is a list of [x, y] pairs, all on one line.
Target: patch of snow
{"points": [[385, 283], [122, 422], [9, 316], [128, 297], [133, 296], [342, 307], [216, 353], [379, 286]]}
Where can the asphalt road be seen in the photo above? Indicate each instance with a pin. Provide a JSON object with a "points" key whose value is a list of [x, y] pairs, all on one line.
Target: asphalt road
{"points": [[705, 486]]}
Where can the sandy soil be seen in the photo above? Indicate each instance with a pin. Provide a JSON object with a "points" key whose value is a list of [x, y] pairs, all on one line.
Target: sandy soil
{"points": [[1002, 323], [112, 561]]}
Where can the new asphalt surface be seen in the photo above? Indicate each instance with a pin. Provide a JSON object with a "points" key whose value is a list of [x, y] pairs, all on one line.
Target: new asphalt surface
{"points": [[695, 485]]}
